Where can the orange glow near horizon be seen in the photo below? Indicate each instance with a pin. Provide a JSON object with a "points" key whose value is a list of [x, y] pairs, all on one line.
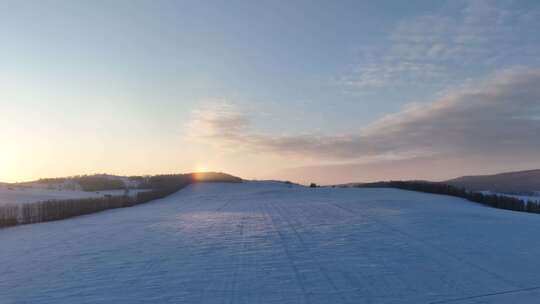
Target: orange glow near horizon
{"points": [[200, 169]]}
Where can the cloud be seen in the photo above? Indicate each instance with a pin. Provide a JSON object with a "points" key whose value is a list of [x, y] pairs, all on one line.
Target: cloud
{"points": [[220, 121], [440, 49], [499, 117], [380, 75]]}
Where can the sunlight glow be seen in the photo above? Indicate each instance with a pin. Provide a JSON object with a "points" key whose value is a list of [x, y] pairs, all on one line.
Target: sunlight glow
{"points": [[200, 169]]}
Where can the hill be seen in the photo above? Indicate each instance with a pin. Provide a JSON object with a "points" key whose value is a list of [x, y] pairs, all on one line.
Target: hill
{"points": [[105, 182], [509, 182]]}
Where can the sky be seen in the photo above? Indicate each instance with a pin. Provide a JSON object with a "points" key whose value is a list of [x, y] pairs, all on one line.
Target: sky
{"points": [[308, 91]]}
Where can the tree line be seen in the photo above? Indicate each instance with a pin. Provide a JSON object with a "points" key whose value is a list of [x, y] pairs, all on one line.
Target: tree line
{"points": [[491, 200], [160, 186], [89, 182]]}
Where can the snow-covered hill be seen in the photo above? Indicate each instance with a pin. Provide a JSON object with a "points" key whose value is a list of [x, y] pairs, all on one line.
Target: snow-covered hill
{"points": [[278, 243]]}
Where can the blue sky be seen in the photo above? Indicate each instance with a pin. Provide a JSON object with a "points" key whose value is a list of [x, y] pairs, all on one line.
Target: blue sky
{"points": [[134, 87]]}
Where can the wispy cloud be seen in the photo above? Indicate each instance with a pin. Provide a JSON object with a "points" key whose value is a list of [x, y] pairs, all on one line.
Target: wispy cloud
{"points": [[442, 49], [499, 117]]}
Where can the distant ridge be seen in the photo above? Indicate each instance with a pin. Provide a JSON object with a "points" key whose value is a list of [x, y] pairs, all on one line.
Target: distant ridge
{"points": [[509, 182], [102, 181]]}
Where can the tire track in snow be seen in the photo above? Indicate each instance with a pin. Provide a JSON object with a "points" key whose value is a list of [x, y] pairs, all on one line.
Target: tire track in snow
{"points": [[486, 295], [304, 247], [205, 291], [298, 276], [239, 260]]}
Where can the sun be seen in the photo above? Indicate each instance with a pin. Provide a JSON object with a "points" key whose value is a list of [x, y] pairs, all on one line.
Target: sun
{"points": [[200, 169]]}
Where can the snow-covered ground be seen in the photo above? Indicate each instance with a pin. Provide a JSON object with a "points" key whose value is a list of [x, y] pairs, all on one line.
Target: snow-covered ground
{"points": [[19, 195], [275, 243]]}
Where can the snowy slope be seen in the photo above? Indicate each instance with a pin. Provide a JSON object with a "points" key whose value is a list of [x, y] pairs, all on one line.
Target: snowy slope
{"points": [[275, 243], [16, 195]]}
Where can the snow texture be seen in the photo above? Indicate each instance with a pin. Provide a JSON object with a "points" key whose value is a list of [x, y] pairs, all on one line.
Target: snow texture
{"points": [[276, 243]]}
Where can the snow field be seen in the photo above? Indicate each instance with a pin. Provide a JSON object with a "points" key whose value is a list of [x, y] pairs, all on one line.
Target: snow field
{"points": [[275, 243]]}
